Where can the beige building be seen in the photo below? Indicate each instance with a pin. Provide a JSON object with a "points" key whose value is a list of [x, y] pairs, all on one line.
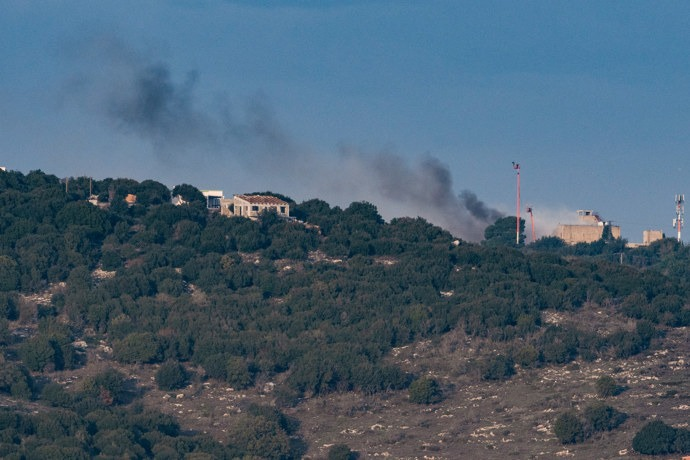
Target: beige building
{"points": [[252, 206], [590, 229], [650, 236]]}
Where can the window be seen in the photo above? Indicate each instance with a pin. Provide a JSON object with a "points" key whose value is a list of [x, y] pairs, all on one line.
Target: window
{"points": [[255, 208]]}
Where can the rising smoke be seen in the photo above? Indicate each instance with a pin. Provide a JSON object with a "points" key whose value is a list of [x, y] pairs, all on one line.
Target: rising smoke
{"points": [[139, 96]]}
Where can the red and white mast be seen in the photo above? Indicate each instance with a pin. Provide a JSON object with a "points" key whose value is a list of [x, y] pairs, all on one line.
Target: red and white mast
{"points": [[678, 222], [516, 167]]}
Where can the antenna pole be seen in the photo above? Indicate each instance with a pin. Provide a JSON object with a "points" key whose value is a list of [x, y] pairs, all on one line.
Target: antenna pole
{"points": [[680, 214], [516, 167]]}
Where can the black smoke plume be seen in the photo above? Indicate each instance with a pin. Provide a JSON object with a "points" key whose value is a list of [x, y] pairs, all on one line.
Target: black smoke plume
{"points": [[139, 96]]}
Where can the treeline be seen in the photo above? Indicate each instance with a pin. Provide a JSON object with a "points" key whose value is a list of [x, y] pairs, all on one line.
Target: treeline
{"points": [[319, 301], [100, 421]]}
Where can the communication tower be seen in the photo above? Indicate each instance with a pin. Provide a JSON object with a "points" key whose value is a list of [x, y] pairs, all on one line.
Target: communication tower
{"points": [[679, 220], [516, 167]]}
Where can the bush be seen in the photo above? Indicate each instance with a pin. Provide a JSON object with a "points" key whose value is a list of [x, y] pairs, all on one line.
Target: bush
{"points": [[568, 428], [55, 395], [238, 373], [499, 367], [137, 347], [260, 437], [606, 386], [107, 387], [171, 376], [655, 438], [15, 380], [341, 452], [601, 417], [425, 390]]}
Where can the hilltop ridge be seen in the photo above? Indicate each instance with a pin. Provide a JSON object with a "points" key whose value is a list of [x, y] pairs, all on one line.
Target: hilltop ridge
{"points": [[149, 330]]}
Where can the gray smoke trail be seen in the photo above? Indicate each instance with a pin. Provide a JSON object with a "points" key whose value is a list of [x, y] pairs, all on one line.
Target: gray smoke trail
{"points": [[478, 208], [139, 96], [424, 189]]}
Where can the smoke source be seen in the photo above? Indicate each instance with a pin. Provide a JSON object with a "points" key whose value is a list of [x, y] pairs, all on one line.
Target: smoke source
{"points": [[139, 96]]}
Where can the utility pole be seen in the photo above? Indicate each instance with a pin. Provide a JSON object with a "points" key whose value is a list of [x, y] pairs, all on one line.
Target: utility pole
{"points": [[516, 167]]}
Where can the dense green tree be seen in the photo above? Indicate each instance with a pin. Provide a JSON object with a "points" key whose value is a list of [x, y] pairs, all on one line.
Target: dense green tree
{"points": [[498, 367], [38, 352], [341, 452], [238, 373], [601, 417], [189, 193], [16, 380], [137, 347], [108, 387], [425, 390], [568, 428], [607, 386], [503, 232], [56, 395], [655, 438], [9, 274], [260, 437], [171, 376]]}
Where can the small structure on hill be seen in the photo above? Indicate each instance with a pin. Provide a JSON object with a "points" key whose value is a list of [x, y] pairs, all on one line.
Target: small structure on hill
{"points": [[252, 206], [213, 199], [590, 229]]}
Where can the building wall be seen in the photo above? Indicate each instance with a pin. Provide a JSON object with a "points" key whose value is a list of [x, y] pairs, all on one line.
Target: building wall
{"points": [[252, 209], [650, 236], [573, 234]]}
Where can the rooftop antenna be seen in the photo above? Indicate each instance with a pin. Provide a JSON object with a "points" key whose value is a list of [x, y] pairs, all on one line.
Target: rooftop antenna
{"points": [[531, 218], [680, 213], [516, 167]]}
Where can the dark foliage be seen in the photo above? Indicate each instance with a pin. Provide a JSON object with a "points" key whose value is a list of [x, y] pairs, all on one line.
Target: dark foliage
{"points": [[171, 376], [568, 428], [656, 438], [322, 302], [425, 390]]}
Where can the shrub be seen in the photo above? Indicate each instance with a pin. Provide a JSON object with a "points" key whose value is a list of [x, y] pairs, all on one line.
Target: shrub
{"points": [[341, 452], [425, 390], [137, 347], [171, 376], [55, 395], [606, 386], [568, 428], [655, 438], [238, 373], [15, 380], [601, 417], [499, 367]]}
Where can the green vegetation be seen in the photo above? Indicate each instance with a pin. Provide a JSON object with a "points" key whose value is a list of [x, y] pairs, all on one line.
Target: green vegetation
{"points": [[425, 390], [657, 438], [316, 305], [341, 452], [607, 386], [570, 428], [171, 376]]}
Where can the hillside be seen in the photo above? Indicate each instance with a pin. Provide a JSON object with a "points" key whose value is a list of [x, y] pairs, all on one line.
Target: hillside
{"points": [[148, 330]]}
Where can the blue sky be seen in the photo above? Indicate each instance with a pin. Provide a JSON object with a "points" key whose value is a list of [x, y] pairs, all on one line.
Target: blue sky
{"points": [[416, 106]]}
